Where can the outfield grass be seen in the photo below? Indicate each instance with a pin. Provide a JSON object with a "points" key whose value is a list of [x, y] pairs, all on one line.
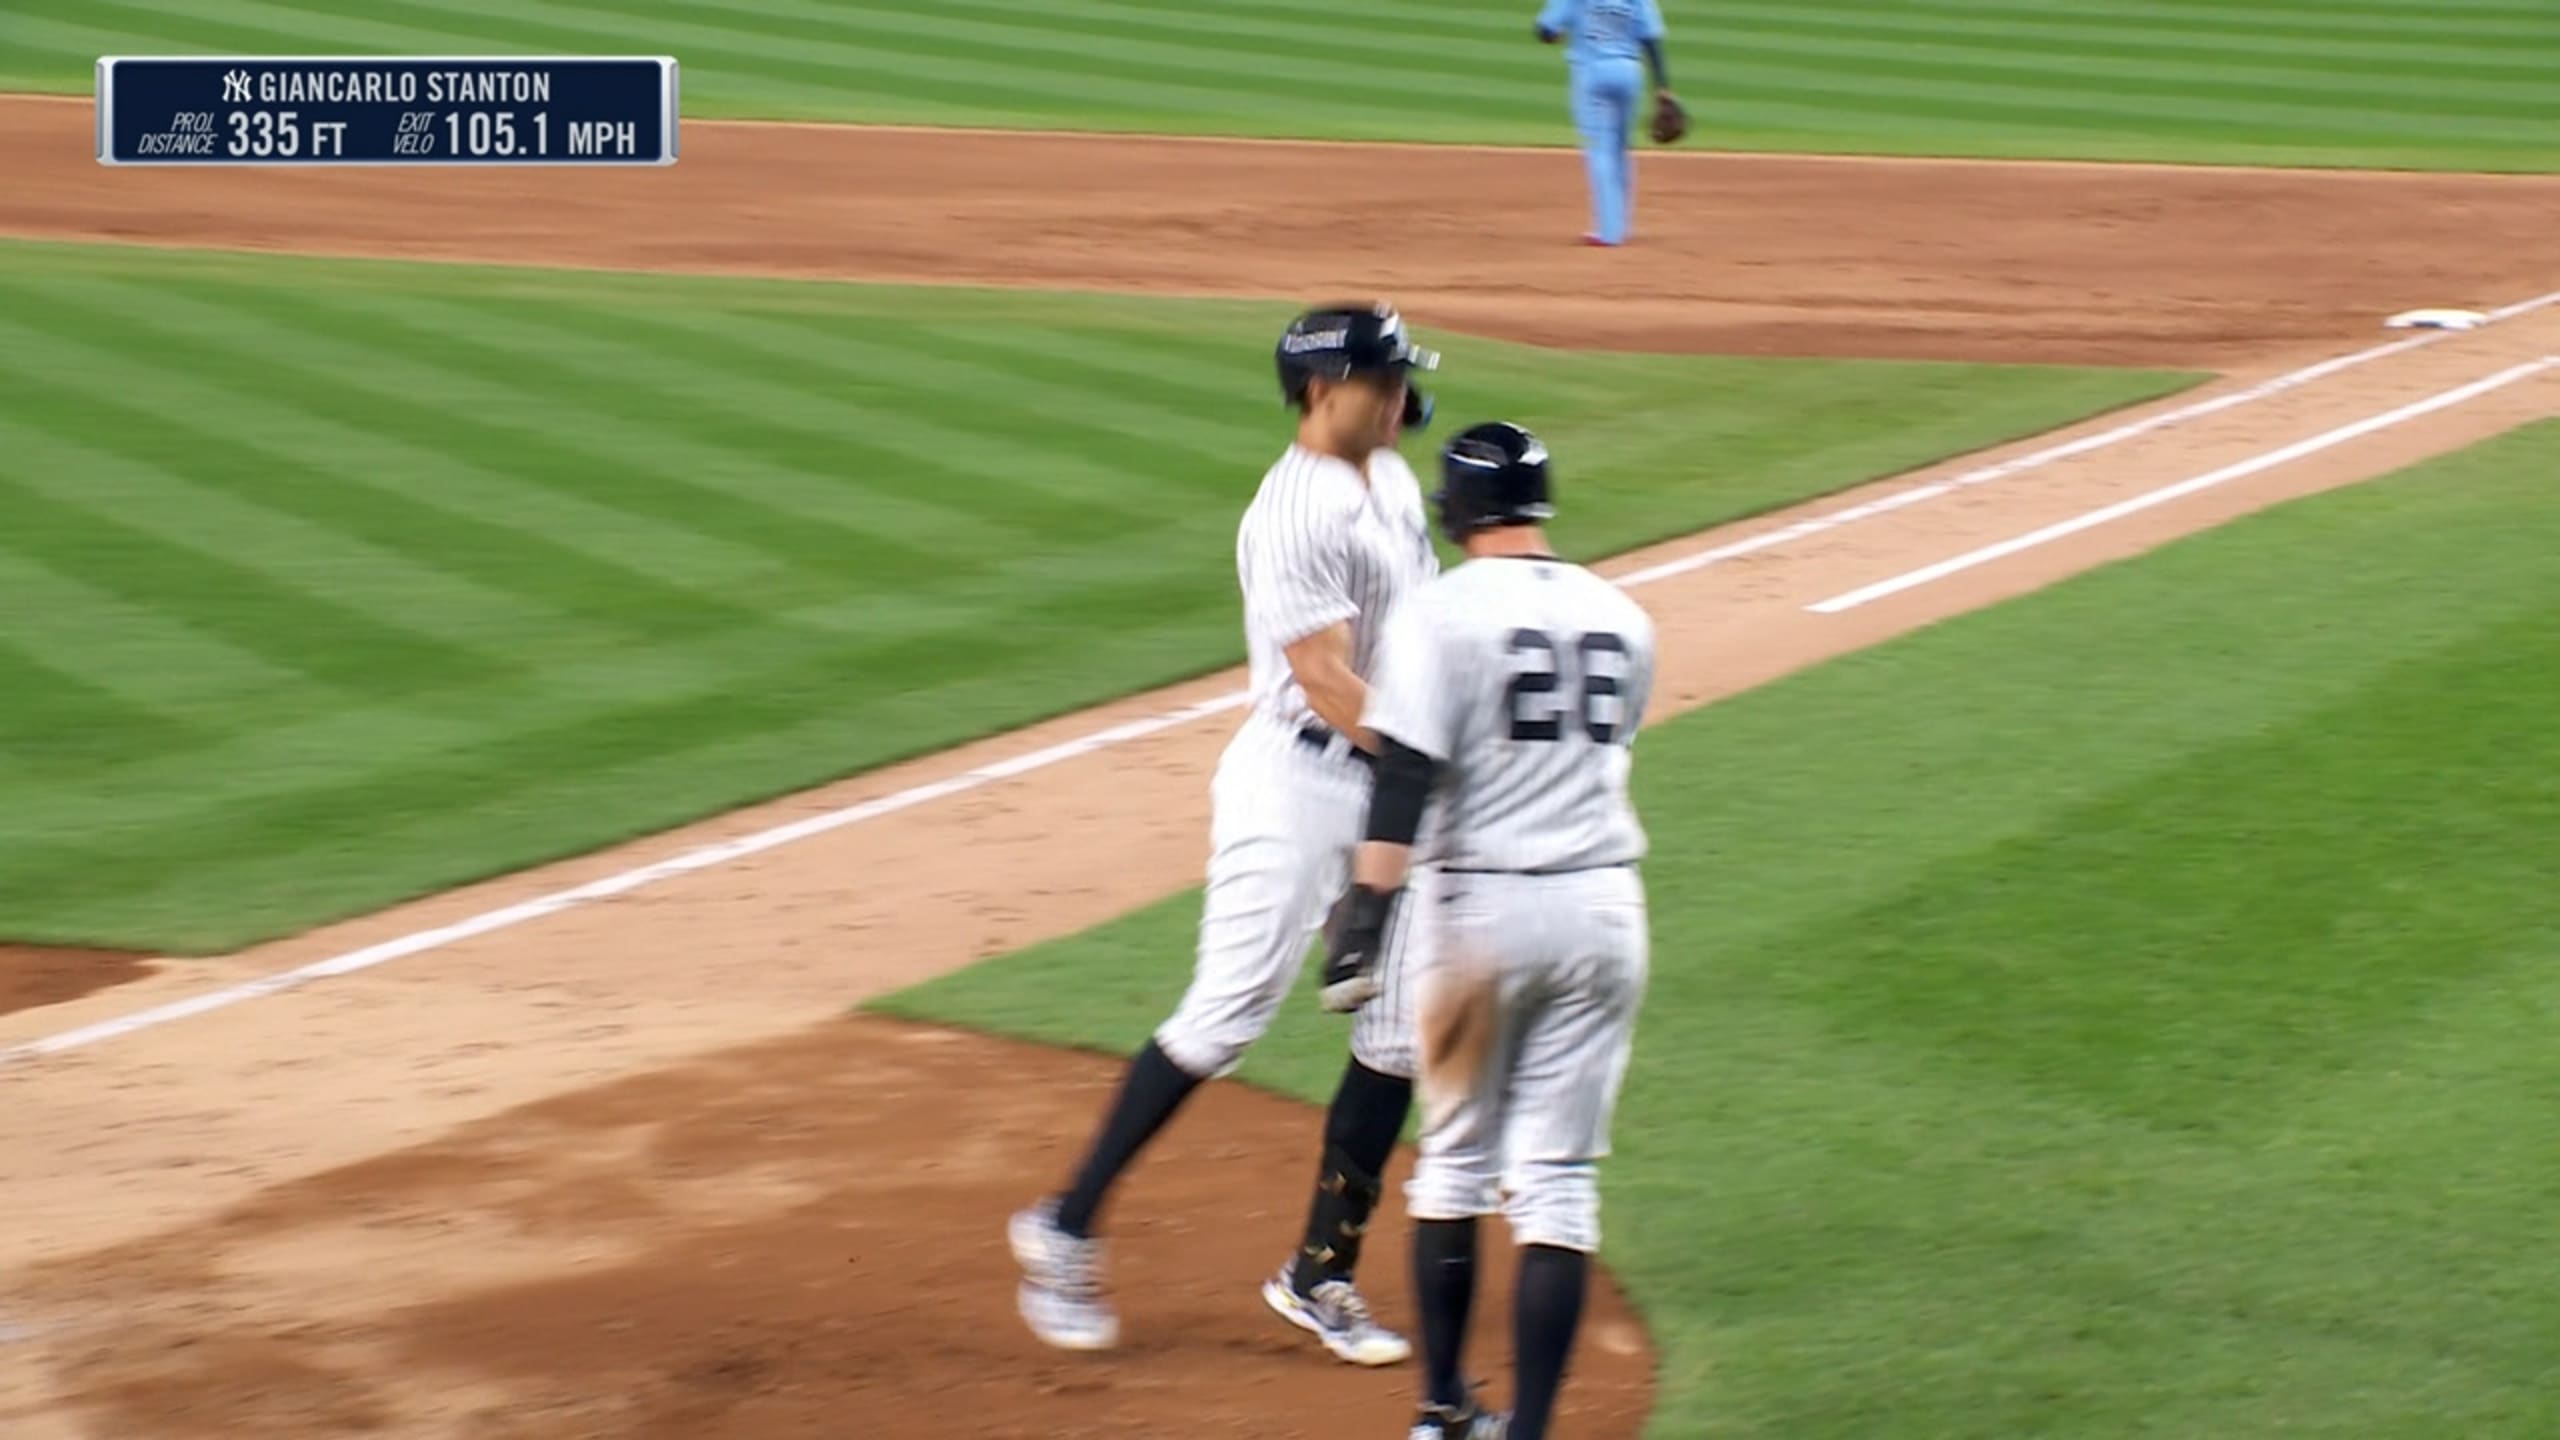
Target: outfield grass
{"points": [[2123, 1012], [332, 583], [2444, 84]]}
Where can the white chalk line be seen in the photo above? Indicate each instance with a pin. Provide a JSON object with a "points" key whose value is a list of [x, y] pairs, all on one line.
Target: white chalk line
{"points": [[2108, 514], [2037, 460], [705, 857]]}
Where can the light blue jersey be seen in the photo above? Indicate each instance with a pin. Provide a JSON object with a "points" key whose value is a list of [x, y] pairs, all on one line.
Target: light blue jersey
{"points": [[1604, 50], [1598, 30]]}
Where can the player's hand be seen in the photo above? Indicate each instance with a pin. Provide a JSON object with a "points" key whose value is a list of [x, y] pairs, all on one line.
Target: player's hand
{"points": [[1354, 937], [1670, 118]]}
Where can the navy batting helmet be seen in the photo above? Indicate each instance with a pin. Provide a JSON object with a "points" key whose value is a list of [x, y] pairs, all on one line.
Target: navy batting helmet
{"points": [[1492, 474], [1339, 341]]}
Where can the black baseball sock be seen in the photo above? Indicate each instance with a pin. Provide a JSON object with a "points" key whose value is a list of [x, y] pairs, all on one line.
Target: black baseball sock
{"points": [[1154, 1089], [1360, 1133], [1544, 1315], [1444, 1289]]}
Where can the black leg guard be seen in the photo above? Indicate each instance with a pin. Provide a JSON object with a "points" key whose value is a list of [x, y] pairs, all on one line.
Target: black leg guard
{"points": [[1360, 1130], [1337, 1223]]}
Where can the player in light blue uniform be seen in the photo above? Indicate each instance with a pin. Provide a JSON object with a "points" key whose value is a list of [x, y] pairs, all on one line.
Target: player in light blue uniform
{"points": [[1608, 43]]}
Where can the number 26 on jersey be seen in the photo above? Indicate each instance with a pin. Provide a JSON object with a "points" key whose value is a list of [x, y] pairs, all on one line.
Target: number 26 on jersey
{"points": [[1573, 684]]}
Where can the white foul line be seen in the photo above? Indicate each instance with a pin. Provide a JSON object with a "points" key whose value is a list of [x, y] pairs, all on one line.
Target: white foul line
{"points": [[2270, 460], [707, 856], [2037, 460], [702, 858]]}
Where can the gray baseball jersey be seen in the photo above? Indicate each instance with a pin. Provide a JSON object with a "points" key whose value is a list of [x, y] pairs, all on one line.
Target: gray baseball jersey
{"points": [[1526, 679]]}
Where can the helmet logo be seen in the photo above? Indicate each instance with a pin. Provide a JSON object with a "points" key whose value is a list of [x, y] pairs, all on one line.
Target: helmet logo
{"points": [[1314, 340]]}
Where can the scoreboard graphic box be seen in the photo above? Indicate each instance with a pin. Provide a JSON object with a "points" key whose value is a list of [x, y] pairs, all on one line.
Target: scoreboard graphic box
{"points": [[387, 110]]}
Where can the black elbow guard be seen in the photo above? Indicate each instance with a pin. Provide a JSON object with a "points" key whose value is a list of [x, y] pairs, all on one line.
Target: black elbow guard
{"points": [[1396, 798]]}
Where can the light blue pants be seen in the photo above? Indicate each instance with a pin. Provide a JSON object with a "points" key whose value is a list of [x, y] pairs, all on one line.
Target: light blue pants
{"points": [[1606, 97]]}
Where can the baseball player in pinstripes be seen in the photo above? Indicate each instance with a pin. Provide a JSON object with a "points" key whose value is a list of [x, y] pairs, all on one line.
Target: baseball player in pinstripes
{"points": [[1512, 686], [1336, 533]]}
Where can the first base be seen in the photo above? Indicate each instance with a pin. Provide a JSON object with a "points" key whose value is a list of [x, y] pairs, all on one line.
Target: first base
{"points": [[2437, 320]]}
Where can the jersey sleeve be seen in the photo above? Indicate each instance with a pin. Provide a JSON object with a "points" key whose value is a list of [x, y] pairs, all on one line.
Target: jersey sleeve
{"points": [[1297, 577], [1649, 22], [1639, 682], [1407, 696], [1558, 16]]}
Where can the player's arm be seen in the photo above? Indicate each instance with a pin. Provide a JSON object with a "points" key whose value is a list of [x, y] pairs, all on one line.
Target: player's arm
{"points": [[1306, 602], [1651, 35], [1356, 933], [1410, 713], [1321, 663], [1403, 787], [1554, 18]]}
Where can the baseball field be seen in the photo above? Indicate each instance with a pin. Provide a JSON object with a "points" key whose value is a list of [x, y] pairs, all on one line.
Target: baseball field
{"points": [[597, 767]]}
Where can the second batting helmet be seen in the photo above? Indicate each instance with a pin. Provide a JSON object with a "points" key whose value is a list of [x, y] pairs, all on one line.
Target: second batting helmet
{"points": [[1492, 474], [1339, 341]]}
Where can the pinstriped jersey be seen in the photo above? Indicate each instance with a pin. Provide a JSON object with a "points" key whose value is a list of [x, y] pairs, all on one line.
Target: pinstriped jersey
{"points": [[1526, 679], [1317, 547]]}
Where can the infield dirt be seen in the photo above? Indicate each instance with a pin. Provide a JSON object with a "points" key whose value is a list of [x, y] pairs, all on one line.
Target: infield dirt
{"points": [[629, 1172]]}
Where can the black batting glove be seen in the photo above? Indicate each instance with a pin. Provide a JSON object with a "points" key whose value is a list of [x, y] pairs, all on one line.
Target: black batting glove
{"points": [[1354, 937]]}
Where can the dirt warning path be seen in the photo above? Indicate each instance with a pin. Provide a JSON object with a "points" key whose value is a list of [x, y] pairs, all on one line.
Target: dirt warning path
{"points": [[624, 1170], [1739, 254]]}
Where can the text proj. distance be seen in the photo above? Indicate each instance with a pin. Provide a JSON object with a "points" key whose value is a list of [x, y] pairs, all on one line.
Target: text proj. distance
{"points": [[364, 110]]}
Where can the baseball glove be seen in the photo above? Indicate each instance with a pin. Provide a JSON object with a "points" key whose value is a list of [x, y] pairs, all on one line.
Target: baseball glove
{"points": [[1670, 118]]}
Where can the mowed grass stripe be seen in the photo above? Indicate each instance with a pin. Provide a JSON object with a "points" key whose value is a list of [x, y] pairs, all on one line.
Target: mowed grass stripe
{"points": [[1144, 53], [317, 463], [2081, 36], [2013, 66], [1427, 46], [299, 628], [177, 376], [58, 722], [917, 498], [1070, 473], [606, 400], [461, 575], [2283, 83], [885, 62], [80, 450], [2307, 20], [148, 658], [537, 435], [1119, 448], [2032, 996]]}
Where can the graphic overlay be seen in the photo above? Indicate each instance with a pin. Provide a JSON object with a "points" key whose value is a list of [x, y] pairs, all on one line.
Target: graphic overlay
{"points": [[387, 110]]}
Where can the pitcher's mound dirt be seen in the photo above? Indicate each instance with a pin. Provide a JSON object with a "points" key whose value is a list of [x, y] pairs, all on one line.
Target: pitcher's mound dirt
{"points": [[801, 1238], [33, 975]]}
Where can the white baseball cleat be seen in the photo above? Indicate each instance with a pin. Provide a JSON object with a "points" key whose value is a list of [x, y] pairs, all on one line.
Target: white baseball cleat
{"points": [[1335, 1314], [1061, 1294]]}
